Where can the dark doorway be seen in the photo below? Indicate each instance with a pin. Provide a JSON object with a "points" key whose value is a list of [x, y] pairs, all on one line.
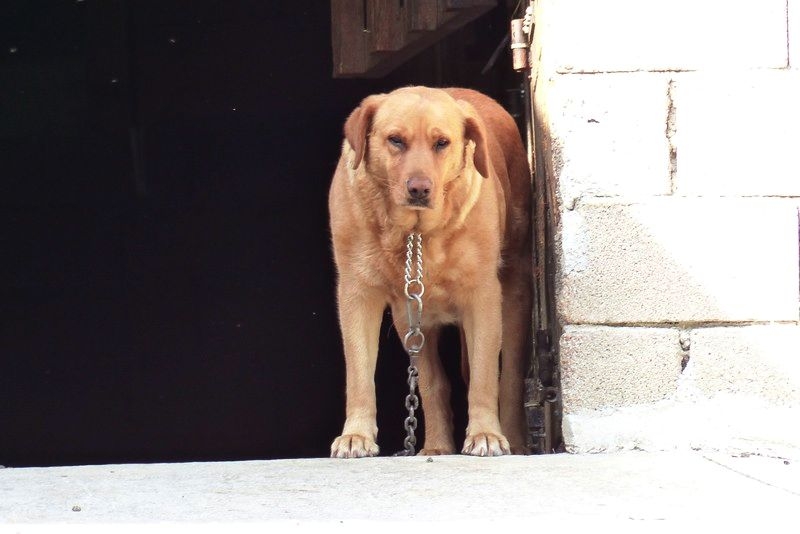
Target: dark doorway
{"points": [[166, 287]]}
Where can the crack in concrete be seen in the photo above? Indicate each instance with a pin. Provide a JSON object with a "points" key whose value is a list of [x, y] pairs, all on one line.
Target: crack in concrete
{"points": [[788, 37], [751, 477], [685, 341], [670, 134]]}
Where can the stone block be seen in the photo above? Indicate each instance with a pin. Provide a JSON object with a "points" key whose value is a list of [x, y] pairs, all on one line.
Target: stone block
{"points": [[659, 35], [738, 134], [759, 362], [672, 260], [610, 367], [739, 390], [728, 424], [608, 134]]}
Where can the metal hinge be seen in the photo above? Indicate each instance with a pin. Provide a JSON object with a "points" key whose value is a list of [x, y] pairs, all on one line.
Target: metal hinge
{"points": [[542, 411]]}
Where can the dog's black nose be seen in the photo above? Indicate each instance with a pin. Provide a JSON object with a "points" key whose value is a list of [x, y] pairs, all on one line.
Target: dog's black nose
{"points": [[419, 187]]}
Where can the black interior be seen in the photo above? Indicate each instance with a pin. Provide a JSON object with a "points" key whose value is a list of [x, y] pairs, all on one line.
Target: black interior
{"points": [[166, 283]]}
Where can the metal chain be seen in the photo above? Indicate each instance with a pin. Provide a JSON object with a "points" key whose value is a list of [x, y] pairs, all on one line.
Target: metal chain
{"points": [[414, 339], [410, 424], [414, 289]]}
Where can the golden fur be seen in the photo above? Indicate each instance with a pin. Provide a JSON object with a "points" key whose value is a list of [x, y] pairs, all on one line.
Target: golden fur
{"points": [[475, 225]]}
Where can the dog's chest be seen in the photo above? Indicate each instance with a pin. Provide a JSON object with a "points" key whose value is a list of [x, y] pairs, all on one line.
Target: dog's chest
{"points": [[451, 270]]}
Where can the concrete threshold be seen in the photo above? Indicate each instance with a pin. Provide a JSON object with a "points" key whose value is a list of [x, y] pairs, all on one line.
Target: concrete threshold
{"points": [[332, 495]]}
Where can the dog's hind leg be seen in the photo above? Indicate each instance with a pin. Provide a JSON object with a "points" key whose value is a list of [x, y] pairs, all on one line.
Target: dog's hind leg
{"points": [[434, 388], [514, 356]]}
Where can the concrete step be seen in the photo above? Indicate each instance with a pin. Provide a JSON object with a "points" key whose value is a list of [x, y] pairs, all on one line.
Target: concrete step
{"points": [[330, 495]]}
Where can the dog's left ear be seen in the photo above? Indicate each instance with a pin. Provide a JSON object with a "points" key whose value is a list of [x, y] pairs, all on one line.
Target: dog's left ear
{"points": [[475, 131], [358, 124]]}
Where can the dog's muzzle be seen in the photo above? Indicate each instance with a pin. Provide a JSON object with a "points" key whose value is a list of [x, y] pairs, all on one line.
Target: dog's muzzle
{"points": [[419, 191]]}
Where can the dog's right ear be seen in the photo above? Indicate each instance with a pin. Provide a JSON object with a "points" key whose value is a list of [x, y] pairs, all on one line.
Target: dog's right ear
{"points": [[358, 124]]}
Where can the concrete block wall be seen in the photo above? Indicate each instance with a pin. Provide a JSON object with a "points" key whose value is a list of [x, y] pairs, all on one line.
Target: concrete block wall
{"points": [[669, 133]]}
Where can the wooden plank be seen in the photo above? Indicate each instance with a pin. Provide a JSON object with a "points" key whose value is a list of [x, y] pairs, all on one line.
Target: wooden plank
{"points": [[381, 66], [387, 27], [387, 44], [423, 14], [348, 38], [456, 5]]}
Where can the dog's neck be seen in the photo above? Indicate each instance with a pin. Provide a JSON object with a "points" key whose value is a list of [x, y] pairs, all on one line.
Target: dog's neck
{"points": [[434, 221]]}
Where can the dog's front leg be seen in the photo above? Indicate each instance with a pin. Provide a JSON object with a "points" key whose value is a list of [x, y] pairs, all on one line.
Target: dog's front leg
{"points": [[482, 323], [360, 315]]}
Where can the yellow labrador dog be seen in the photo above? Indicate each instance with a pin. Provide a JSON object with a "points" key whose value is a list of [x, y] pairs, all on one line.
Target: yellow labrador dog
{"points": [[449, 164]]}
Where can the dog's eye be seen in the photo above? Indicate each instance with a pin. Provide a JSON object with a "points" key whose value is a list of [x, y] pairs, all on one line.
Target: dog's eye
{"points": [[396, 141], [441, 143]]}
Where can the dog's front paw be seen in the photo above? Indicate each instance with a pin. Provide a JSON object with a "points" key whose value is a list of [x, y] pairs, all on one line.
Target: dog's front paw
{"points": [[486, 444], [353, 446]]}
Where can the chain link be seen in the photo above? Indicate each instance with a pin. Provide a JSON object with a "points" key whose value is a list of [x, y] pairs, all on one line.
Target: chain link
{"points": [[410, 423], [414, 339], [414, 288]]}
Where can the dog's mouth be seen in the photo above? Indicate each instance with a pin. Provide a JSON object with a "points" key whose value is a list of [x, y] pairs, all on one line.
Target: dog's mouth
{"points": [[418, 203]]}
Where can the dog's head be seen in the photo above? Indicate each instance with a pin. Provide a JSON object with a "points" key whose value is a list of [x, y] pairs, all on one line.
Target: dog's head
{"points": [[417, 140]]}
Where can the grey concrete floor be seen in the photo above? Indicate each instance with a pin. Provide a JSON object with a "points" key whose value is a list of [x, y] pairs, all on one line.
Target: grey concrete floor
{"points": [[330, 495]]}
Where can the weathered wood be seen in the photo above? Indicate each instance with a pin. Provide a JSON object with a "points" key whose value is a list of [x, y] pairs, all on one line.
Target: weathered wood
{"points": [[387, 25], [424, 14], [396, 31], [348, 38], [455, 5]]}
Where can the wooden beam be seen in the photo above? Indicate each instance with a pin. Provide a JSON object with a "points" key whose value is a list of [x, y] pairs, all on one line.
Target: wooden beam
{"points": [[397, 31], [387, 25], [424, 15], [455, 5], [349, 38]]}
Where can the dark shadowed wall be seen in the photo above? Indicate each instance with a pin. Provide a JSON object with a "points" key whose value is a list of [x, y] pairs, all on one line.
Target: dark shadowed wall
{"points": [[166, 285]]}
